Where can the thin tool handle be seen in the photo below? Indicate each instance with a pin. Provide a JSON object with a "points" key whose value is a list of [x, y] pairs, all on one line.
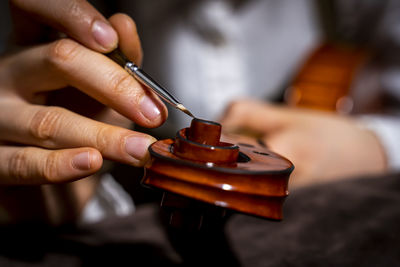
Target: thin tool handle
{"points": [[147, 80], [143, 77]]}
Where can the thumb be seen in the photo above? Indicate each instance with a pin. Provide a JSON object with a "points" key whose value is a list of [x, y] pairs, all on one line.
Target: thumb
{"points": [[78, 19], [129, 41]]}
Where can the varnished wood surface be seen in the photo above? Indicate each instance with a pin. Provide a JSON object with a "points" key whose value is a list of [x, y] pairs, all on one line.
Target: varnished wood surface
{"points": [[325, 79], [255, 181]]}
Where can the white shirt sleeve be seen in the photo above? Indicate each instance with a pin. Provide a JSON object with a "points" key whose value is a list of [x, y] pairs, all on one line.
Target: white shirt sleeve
{"points": [[387, 129], [110, 199]]}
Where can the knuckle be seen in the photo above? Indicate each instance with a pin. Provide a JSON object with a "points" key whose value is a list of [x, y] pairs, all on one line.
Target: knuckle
{"points": [[120, 83], [102, 141], [74, 7], [45, 123], [18, 166], [49, 170], [61, 51]]}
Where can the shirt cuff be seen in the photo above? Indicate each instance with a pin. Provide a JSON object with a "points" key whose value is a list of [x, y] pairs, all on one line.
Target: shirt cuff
{"points": [[387, 129]]}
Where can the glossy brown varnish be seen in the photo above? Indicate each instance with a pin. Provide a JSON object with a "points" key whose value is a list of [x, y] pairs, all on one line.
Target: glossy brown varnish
{"points": [[248, 178], [326, 77]]}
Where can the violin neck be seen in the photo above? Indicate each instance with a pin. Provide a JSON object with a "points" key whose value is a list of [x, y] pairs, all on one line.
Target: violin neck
{"points": [[325, 79]]}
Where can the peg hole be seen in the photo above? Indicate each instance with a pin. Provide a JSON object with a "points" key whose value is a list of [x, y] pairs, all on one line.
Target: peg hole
{"points": [[243, 158]]}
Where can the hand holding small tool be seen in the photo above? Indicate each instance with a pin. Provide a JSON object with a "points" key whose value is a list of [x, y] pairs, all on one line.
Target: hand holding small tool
{"points": [[148, 81]]}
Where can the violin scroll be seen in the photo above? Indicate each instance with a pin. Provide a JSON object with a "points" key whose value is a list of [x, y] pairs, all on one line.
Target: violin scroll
{"points": [[248, 178]]}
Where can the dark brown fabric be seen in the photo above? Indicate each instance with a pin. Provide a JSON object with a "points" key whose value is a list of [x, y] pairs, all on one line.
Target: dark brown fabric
{"points": [[348, 223]]}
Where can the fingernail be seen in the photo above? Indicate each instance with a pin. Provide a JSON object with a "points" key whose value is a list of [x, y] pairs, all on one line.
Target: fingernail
{"points": [[104, 34], [137, 146], [149, 109], [81, 161]]}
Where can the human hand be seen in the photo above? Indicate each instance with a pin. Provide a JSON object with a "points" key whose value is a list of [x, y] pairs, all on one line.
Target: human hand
{"points": [[48, 144], [39, 21], [323, 146]]}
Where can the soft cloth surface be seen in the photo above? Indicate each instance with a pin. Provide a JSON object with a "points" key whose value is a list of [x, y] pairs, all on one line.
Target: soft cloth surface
{"points": [[348, 223]]}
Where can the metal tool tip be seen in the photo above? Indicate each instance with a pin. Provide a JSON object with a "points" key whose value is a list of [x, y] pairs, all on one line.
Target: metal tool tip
{"points": [[184, 109]]}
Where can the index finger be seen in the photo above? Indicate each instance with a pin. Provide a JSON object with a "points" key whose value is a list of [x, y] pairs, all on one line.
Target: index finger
{"points": [[76, 18], [65, 62]]}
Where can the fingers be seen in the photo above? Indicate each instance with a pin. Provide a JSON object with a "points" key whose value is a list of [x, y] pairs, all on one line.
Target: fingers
{"points": [[66, 62], [254, 115], [56, 128], [76, 18], [129, 41], [31, 165], [265, 118]]}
